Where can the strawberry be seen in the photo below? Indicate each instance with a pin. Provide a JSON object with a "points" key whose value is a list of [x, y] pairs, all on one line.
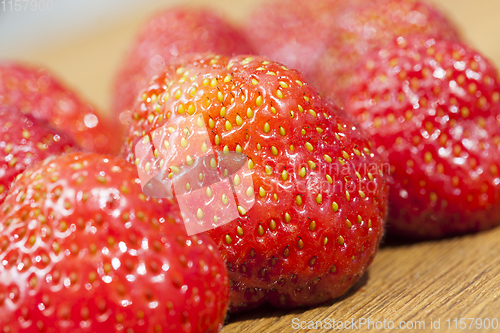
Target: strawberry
{"points": [[36, 92], [25, 140], [325, 38], [84, 250], [319, 188], [165, 36], [434, 106]]}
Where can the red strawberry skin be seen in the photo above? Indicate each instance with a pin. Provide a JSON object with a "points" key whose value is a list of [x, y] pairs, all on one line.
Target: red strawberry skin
{"points": [[325, 38], [36, 92], [434, 106], [83, 250], [163, 38], [25, 140], [365, 24], [316, 223]]}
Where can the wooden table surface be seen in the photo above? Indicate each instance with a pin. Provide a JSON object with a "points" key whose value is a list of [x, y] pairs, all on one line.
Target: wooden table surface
{"points": [[421, 282], [428, 281]]}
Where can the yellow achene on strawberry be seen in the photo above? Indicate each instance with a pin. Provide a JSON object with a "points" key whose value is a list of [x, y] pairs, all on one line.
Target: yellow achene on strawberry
{"points": [[434, 106]]}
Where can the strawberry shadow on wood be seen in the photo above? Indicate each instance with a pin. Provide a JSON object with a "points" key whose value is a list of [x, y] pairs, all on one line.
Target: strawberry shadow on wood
{"points": [[268, 311]]}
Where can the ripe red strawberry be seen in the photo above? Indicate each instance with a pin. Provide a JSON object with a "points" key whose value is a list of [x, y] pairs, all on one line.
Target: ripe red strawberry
{"points": [[172, 33], [36, 92], [25, 140], [83, 250], [320, 191], [434, 105], [325, 38]]}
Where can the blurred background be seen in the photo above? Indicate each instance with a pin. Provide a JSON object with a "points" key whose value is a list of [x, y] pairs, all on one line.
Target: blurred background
{"points": [[83, 41]]}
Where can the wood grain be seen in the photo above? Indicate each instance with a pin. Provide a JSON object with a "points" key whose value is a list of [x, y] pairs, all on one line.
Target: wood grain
{"points": [[446, 279]]}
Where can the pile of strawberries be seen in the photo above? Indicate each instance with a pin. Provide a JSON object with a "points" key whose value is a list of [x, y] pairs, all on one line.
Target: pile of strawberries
{"points": [[355, 118]]}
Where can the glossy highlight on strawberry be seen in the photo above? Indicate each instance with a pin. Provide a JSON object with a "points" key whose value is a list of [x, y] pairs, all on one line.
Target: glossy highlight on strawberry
{"points": [[320, 188], [83, 250], [34, 91], [434, 106]]}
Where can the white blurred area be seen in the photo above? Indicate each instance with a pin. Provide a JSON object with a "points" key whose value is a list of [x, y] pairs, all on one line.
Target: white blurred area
{"points": [[36, 26], [83, 41]]}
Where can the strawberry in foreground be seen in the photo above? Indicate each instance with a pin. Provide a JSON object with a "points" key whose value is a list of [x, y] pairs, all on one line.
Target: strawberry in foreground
{"points": [[434, 106], [326, 38], [25, 140], [36, 92], [175, 32], [83, 250], [320, 189]]}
